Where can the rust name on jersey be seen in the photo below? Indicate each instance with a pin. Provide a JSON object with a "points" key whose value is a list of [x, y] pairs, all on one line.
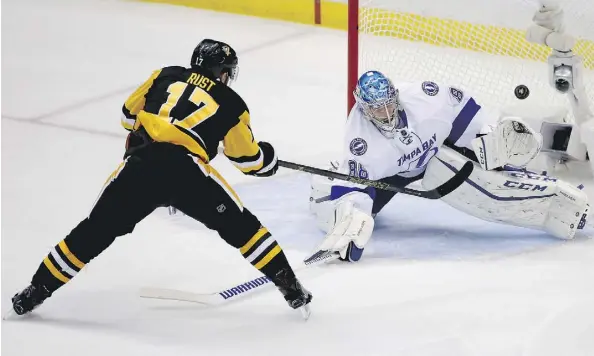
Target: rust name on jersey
{"points": [[201, 81], [189, 107]]}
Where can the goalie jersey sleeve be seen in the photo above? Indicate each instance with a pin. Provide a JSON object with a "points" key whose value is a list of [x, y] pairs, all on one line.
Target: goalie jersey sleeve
{"points": [[429, 103], [188, 107], [359, 150]]}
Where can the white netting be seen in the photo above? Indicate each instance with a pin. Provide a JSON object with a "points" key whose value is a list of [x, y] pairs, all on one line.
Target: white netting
{"points": [[478, 45]]}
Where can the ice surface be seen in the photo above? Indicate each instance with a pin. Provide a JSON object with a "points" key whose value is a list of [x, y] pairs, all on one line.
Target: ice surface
{"points": [[434, 282]]}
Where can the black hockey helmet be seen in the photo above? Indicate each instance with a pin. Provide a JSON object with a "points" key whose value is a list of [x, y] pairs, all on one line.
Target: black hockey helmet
{"points": [[216, 56]]}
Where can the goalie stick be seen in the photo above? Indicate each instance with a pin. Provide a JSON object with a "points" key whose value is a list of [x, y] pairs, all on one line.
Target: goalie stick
{"points": [[444, 189], [236, 292]]}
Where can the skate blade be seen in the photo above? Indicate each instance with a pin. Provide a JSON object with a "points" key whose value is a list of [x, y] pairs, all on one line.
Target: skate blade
{"points": [[9, 314], [305, 311]]}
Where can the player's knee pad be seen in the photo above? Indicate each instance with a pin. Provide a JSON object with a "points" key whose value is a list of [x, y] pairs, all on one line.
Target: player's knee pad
{"points": [[517, 198]]}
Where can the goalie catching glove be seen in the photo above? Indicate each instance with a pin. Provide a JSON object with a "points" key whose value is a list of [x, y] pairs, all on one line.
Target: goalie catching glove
{"points": [[511, 142]]}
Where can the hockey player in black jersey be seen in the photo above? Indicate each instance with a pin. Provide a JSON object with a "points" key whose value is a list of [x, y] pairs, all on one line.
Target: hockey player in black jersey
{"points": [[177, 119]]}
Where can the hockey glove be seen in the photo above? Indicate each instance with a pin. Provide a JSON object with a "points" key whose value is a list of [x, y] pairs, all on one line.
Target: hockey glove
{"points": [[136, 140], [513, 142], [270, 165]]}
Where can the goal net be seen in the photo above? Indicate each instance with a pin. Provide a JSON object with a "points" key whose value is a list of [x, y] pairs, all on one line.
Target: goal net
{"points": [[476, 45]]}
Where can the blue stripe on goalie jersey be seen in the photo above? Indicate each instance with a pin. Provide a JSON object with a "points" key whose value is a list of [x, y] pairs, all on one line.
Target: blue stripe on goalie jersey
{"points": [[462, 121], [356, 169], [338, 191]]}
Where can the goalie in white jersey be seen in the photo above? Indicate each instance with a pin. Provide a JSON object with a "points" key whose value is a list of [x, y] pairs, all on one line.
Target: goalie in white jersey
{"points": [[403, 132]]}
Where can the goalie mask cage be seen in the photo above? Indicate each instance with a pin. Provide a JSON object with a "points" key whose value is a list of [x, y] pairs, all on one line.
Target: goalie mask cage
{"points": [[474, 45]]}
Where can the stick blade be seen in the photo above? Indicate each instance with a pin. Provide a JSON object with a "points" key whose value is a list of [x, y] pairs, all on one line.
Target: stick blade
{"points": [[178, 295]]}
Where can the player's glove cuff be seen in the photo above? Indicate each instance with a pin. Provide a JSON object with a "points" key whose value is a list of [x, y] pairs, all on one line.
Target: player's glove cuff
{"points": [[270, 165], [136, 140]]}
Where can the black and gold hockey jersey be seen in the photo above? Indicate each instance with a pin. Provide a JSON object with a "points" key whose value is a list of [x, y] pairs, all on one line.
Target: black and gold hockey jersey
{"points": [[188, 107]]}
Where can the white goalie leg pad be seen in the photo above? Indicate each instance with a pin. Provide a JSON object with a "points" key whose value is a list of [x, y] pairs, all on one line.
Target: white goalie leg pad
{"points": [[320, 204], [515, 198], [512, 142], [567, 210], [352, 225]]}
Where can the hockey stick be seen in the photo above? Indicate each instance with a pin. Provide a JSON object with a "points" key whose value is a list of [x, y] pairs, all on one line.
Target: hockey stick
{"points": [[444, 189], [260, 283], [235, 292]]}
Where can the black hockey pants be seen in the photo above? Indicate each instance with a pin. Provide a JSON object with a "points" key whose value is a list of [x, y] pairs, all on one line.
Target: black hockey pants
{"points": [[157, 175]]}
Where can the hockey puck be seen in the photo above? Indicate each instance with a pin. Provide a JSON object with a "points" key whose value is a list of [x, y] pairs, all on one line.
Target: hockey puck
{"points": [[522, 92]]}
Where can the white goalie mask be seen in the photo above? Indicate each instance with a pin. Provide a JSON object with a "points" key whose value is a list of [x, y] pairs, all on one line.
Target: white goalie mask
{"points": [[378, 98]]}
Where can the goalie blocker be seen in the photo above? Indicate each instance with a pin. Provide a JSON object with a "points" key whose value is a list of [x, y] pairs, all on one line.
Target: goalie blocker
{"points": [[518, 198]]}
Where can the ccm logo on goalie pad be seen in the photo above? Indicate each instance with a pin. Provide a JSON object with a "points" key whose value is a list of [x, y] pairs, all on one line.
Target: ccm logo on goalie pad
{"points": [[525, 186], [532, 176], [254, 283], [481, 156]]}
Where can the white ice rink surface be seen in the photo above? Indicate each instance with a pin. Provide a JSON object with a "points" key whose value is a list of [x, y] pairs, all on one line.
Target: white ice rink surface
{"points": [[434, 282]]}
